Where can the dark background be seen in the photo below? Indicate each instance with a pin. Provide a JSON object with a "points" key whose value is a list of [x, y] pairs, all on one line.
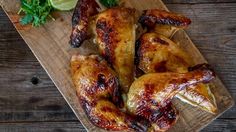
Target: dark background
{"points": [[28, 104]]}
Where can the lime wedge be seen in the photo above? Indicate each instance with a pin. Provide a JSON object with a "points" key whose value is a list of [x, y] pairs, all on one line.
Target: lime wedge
{"points": [[63, 5]]}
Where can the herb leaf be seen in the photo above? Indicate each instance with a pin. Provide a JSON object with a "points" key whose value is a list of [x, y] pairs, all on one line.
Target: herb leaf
{"points": [[36, 12], [109, 3], [26, 19]]}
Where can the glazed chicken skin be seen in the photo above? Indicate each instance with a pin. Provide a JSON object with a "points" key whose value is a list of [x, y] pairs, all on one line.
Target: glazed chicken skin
{"points": [[98, 92], [163, 22], [154, 90], [156, 16], [114, 31], [115, 37], [99, 83], [80, 21], [156, 53]]}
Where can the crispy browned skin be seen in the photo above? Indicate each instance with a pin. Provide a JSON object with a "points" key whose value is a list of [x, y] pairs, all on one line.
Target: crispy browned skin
{"points": [[97, 89], [152, 91], [80, 21], [156, 53], [156, 16], [163, 22], [115, 36], [162, 118]]}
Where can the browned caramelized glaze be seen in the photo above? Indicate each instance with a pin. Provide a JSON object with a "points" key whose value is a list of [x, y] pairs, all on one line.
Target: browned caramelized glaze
{"points": [[149, 97], [80, 21], [151, 93], [98, 92], [156, 53], [155, 16], [115, 36]]}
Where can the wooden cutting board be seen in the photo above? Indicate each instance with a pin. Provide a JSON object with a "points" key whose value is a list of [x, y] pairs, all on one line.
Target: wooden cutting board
{"points": [[49, 43]]}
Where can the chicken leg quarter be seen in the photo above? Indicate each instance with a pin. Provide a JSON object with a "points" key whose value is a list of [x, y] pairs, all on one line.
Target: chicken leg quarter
{"points": [[98, 92], [154, 90]]}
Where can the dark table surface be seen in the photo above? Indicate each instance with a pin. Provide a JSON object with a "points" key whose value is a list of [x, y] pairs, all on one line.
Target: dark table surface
{"points": [[29, 101]]}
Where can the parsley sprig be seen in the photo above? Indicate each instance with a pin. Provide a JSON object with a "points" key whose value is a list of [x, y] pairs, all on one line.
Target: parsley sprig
{"points": [[109, 3], [36, 12]]}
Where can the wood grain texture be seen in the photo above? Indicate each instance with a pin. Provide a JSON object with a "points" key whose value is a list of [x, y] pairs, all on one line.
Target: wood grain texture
{"points": [[222, 125], [20, 100], [211, 50], [42, 127]]}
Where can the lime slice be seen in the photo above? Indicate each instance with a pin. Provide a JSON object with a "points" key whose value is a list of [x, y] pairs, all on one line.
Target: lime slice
{"points": [[63, 5]]}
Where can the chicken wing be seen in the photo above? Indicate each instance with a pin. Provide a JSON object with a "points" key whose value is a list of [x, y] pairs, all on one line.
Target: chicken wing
{"points": [[80, 21], [98, 92], [163, 22], [115, 36], [153, 90], [157, 53]]}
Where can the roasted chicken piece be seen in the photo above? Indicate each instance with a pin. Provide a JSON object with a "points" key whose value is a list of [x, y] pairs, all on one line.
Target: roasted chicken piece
{"points": [[156, 16], [115, 36], [163, 22], [114, 31], [98, 92], [149, 97], [80, 21], [154, 90], [156, 53], [162, 118]]}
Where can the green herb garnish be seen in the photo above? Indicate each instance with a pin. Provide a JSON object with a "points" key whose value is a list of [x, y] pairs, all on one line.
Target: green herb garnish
{"points": [[36, 12], [109, 3]]}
